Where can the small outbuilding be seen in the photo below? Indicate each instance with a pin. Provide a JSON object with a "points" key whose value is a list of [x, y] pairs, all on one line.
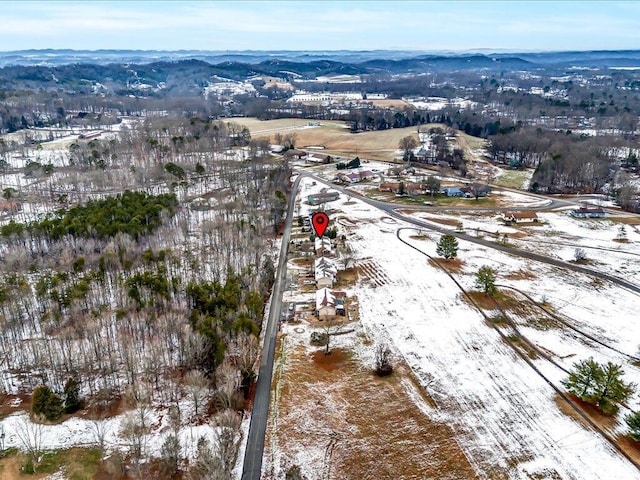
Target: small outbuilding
{"points": [[588, 212], [520, 217]]}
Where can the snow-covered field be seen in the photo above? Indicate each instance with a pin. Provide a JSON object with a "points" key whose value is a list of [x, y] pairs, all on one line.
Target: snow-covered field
{"points": [[506, 417], [438, 103], [609, 245]]}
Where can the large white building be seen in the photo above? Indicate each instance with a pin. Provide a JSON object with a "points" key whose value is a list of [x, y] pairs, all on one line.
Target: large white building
{"points": [[305, 97]]}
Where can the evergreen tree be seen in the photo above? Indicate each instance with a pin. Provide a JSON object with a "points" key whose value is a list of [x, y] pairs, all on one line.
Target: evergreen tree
{"points": [[71, 396], [633, 421], [39, 399], [332, 233], [447, 246], [355, 163], [244, 324], [46, 403], [584, 378], [175, 170], [612, 389], [486, 280]]}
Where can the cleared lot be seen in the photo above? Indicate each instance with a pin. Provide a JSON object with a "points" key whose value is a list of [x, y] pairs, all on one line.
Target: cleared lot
{"points": [[335, 136]]}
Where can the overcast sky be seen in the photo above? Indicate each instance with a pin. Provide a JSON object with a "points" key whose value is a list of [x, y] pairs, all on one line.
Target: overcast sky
{"points": [[321, 25]]}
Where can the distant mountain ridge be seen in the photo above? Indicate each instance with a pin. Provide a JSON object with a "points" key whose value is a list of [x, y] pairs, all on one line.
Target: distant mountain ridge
{"points": [[356, 58], [186, 72]]}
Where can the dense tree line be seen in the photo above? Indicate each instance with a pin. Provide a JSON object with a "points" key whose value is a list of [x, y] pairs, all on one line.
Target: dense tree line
{"points": [[131, 213], [563, 162]]}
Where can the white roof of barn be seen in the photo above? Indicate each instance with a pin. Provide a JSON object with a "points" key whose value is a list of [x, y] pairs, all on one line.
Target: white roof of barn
{"points": [[325, 268], [324, 242], [324, 298]]}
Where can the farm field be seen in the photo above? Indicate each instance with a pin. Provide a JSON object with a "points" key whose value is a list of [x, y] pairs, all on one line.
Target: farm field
{"points": [[609, 245], [513, 178], [388, 102], [473, 377], [335, 137], [342, 420]]}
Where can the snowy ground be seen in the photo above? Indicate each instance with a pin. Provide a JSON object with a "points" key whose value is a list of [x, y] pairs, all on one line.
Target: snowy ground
{"points": [[81, 432], [577, 298], [609, 244], [504, 414]]}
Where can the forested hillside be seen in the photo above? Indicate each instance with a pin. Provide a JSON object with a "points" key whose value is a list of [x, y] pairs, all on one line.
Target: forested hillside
{"points": [[146, 293]]}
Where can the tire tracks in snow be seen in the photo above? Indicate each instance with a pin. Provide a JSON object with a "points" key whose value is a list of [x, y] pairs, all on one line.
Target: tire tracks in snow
{"points": [[570, 326], [560, 392]]}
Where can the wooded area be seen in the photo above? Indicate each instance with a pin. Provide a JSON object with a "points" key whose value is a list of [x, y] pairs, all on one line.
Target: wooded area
{"points": [[149, 290]]}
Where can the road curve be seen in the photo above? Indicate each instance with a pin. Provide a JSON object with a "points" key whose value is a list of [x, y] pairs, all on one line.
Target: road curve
{"points": [[252, 466], [390, 209]]}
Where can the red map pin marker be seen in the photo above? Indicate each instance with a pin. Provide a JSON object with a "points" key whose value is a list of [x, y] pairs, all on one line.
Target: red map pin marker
{"points": [[320, 223]]}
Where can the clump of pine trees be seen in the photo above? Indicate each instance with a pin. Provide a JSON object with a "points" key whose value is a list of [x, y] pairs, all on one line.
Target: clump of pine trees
{"points": [[133, 213], [599, 385]]}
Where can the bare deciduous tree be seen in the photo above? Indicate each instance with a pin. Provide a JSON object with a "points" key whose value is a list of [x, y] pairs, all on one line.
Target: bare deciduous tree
{"points": [[134, 430], [328, 327], [30, 437], [207, 465], [406, 144], [227, 383], [99, 430], [227, 439], [384, 365], [197, 387], [347, 256]]}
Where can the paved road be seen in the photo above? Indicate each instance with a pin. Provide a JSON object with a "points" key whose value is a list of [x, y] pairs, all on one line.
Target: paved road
{"points": [[552, 203], [255, 442], [252, 466], [390, 209]]}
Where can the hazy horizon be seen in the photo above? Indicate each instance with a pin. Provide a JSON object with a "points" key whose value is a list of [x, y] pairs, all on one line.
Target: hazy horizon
{"points": [[322, 26], [478, 50]]}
